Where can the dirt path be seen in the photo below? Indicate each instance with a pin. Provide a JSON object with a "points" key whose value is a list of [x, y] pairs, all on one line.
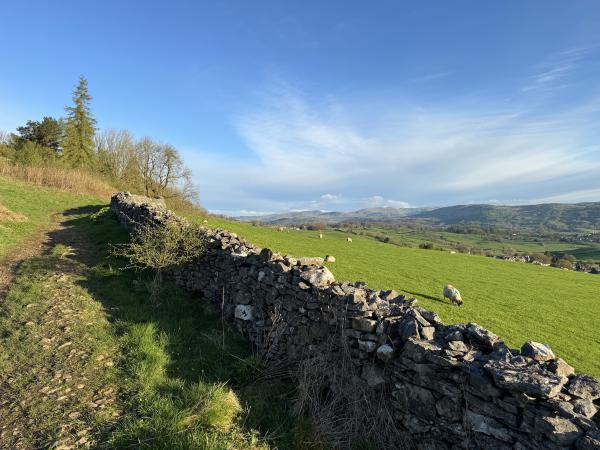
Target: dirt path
{"points": [[58, 383], [33, 246]]}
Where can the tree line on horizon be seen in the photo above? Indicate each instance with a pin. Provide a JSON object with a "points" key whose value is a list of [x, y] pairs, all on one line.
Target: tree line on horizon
{"points": [[141, 166]]}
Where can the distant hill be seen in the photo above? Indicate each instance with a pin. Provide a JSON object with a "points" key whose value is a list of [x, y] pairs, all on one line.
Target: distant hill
{"points": [[553, 216], [385, 214]]}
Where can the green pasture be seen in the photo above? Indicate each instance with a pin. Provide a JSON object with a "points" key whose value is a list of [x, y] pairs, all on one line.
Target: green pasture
{"points": [[515, 300]]}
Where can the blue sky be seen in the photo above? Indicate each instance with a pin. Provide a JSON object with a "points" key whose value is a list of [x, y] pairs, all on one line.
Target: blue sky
{"points": [[332, 105]]}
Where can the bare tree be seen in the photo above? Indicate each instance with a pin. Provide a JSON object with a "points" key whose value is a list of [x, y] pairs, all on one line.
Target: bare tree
{"points": [[145, 152], [4, 137], [116, 153], [162, 170]]}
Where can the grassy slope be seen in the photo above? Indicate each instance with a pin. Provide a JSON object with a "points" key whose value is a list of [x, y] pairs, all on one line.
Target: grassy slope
{"points": [[184, 380], [517, 301], [170, 378], [37, 204]]}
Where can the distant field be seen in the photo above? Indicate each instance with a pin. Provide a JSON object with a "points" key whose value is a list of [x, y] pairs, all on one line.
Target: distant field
{"points": [[37, 205], [517, 301], [443, 239]]}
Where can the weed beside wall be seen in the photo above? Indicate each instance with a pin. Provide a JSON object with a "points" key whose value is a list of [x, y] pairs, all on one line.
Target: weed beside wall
{"points": [[372, 365]]}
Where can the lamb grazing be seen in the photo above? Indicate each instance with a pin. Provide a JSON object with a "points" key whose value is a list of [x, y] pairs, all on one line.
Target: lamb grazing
{"points": [[349, 239], [451, 293], [320, 235]]}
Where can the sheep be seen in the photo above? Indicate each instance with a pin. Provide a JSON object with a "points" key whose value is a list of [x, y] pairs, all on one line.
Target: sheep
{"points": [[451, 293], [349, 239], [280, 229], [320, 235]]}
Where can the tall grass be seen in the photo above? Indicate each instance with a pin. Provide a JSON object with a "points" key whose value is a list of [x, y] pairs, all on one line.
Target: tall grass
{"points": [[83, 182], [70, 180]]}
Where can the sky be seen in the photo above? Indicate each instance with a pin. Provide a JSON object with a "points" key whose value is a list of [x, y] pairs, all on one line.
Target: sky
{"points": [[336, 105]]}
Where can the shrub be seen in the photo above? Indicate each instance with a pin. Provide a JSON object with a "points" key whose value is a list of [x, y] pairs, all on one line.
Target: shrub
{"points": [[426, 246], [563, 263], [158, 247], [318, 226], [541, 257], [462, 248]]}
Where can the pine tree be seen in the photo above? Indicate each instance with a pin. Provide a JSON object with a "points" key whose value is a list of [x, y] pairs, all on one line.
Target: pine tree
{"points": [[80, 127]]}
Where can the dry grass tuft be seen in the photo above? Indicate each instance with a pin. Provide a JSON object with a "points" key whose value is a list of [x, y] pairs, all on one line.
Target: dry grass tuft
{"points": [[70, 180], [6, 215], [345, 411]]}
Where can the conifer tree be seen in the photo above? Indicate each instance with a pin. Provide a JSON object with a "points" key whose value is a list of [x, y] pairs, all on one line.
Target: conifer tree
{"points": [[80, 127]]}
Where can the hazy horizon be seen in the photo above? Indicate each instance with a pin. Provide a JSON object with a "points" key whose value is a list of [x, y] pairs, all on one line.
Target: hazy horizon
{"points": [[430, 207]]}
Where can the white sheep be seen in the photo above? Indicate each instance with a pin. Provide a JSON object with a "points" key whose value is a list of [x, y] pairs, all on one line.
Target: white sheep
{"points": [[320, 235], [349, 239], [451, 293]]}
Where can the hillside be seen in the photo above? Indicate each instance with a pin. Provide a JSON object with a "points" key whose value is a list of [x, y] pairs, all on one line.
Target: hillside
{"points": [[553, 216]]}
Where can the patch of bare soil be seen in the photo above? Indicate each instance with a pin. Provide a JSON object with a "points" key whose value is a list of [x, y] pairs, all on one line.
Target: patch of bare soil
{"points": [[33, 246]]}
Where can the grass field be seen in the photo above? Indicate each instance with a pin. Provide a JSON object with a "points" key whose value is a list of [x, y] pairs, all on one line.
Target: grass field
{"points": [[526, 244], [37, 205], [515, 300]]}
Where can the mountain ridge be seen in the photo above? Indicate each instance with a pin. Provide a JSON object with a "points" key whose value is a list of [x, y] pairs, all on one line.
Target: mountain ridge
{"points": [[556, 216]]}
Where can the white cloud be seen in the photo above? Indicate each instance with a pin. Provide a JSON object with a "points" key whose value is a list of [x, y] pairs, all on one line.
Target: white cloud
{"points": [[583, 195], [424, 155], [556, 68], [379, 201], [329, 197]]}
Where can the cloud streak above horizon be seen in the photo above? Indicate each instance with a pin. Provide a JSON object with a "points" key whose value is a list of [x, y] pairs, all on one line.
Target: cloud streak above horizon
{"points": [[341, 154]]}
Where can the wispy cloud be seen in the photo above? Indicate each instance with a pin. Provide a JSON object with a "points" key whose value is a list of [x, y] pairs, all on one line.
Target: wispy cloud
{"points": [[308, 153], [433, 76], [555, 71]]}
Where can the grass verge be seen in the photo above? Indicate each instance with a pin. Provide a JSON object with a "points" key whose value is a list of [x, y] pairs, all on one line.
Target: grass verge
{"points": [[185, 380]]}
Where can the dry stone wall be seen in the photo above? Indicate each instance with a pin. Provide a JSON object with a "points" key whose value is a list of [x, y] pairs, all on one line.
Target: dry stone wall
{"points": [[448, 386]]}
